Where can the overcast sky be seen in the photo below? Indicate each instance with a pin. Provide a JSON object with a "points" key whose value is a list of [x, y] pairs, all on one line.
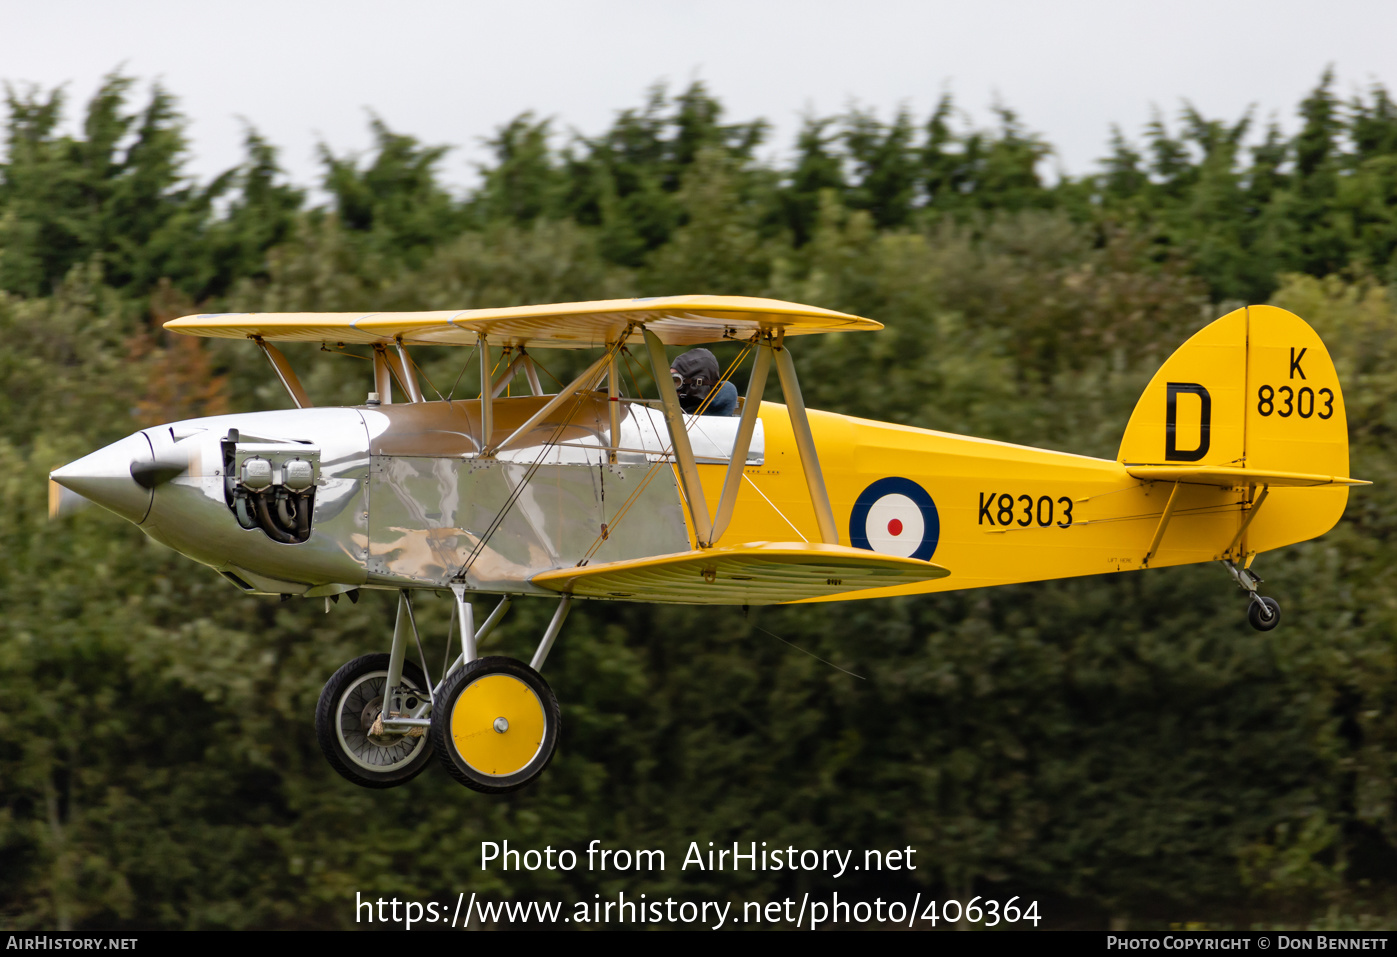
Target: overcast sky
{"points": [[452, 72]]}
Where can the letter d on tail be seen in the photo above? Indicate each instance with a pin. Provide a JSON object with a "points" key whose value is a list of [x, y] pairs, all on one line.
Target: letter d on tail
{"points": [[1172, 452], [1161, 429]]}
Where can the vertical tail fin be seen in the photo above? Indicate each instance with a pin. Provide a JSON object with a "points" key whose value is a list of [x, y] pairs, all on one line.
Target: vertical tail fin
{"points": [[1255, 389]]}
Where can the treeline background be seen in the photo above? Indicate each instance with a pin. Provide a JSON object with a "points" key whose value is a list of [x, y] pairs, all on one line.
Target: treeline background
{"points": [[1123, 749]]}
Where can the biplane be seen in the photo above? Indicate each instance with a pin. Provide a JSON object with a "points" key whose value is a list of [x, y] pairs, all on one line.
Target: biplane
{"points": [[1239, 445]]}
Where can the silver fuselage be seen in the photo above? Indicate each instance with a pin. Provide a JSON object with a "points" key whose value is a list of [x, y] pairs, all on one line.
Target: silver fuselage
{"points": [[401, 496]]}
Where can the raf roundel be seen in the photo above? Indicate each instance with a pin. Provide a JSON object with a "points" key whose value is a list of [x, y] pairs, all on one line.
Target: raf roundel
{"points": [[895, 516]]}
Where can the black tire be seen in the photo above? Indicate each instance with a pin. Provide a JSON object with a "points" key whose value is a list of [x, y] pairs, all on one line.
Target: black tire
{"points": [[527, 740], [1264, 615], [348, 705]]}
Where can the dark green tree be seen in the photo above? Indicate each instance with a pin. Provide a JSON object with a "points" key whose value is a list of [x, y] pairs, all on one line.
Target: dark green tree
{"points": [[883, 167], [394, 203], [261, 215], [526, 181], [626, 181], [818, 168], [116, 193]]}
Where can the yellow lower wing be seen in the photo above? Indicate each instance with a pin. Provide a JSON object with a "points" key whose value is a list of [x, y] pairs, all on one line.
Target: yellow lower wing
{"points": [[757, 573], [1228, 477]]}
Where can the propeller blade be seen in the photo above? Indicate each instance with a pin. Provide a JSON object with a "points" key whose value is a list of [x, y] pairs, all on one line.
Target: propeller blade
{"points": [[158, 471], [64, 501]]}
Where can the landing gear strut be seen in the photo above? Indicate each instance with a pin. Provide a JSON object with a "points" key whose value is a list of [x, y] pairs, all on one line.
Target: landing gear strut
{"points": [[350, 730], [1262, 613], [492, 722], [495, 722]]}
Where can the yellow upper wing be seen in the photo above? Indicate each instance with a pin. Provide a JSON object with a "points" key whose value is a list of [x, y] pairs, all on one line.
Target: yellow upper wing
{"points": [[677, 320]]}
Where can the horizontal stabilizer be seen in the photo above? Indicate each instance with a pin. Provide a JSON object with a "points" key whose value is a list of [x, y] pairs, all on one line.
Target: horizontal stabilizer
{"points": [[1231, 477], [758, 573]]}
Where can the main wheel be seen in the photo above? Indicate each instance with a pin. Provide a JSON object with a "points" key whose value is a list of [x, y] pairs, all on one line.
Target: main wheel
{"points": [[350, 704], [495, 724], [1264, 614]]}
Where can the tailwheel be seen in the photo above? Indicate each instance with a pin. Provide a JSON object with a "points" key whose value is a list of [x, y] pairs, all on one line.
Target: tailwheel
{"points": [[350, 734], [1264, 613], [495, 724]]}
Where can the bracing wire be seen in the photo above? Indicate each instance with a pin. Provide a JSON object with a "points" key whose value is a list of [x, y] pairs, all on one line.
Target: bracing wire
{"points": [[341, 351], [550, 375], [654, 469], [811, 654], [423, 375], [630, 359], [462, 372], [491, 384], [584, 389], [528, 477]]}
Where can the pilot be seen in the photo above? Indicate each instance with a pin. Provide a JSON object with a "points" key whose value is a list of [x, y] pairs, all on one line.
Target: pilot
{"points": [[695, 374]]}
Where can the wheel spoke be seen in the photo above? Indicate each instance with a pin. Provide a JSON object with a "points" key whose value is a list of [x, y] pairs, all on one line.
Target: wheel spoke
{"points": [[350, 705]]}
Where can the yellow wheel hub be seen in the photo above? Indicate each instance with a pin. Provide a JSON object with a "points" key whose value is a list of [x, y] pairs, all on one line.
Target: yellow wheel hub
{"points": [[488, 744]]}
